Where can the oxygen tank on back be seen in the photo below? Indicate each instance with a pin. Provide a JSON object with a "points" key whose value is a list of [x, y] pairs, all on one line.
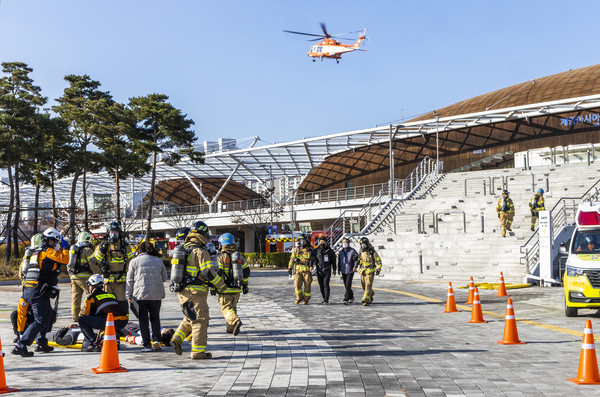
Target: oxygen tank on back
{"points": [[178, 263], [73, 256], [237, 261], [25, 262], [214, 256]]}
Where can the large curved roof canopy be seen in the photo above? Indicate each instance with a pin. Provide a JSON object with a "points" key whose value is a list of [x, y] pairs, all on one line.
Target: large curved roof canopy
{"points": [[519, 113], [484, 121]]}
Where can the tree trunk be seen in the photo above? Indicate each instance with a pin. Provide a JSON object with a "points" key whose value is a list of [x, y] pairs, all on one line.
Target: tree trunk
{"points": [[11, 203], [118, 192], [53, 192], [86, 225], [17, 220], [152, 182], [36, 210], [73, 205]]}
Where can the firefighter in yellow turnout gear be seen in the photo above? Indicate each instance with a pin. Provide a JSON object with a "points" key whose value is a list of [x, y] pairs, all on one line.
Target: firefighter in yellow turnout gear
{"points": [[113, 256], [235, 273], [192, 274], [301, 266], [506, 212], [536, 204], [80, 269], [370, 265]]}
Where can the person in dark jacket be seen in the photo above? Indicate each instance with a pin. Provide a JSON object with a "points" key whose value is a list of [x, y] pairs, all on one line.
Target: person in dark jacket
{"points": [[326, 263], [145, 285], [97, 306], [348, 262]]}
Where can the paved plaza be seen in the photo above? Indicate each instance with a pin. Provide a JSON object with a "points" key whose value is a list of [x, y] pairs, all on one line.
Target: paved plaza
{"points": [[401, 345]]}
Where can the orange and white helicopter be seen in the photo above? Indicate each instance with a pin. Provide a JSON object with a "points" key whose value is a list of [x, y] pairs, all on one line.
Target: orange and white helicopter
{"points": [[330, 47]]}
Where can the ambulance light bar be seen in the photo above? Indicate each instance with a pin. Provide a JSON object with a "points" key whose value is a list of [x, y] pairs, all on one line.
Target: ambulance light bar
{"points": [[588, 218]]}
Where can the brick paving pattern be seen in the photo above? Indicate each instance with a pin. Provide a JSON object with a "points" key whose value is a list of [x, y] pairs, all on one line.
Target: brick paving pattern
{"points": [[401, 345]]}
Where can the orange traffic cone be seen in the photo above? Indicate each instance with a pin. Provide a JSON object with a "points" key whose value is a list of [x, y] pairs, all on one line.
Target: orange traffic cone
{"points": [[109, 357], [511, 336], [471, 292], [3, 387], [587, 374], [450, 301], [501, 286], [476, 313]]}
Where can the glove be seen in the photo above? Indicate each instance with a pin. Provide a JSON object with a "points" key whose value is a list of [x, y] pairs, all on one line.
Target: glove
{"points": [[213, 292], [377, 272], [63, 243], [71, 271], [244, 289], [104, 269], [290, 271], [104, 248], [44, 245]]}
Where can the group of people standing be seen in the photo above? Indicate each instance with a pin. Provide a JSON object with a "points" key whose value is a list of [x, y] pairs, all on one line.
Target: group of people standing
{"points": [[115, 277], [305, 259]]}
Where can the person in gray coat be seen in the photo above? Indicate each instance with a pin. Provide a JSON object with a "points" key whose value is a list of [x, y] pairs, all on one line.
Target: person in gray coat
{"points": [[145, 285]]}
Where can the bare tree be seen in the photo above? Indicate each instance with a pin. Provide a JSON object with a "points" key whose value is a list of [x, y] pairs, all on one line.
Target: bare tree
{"points": [[259, 216]]}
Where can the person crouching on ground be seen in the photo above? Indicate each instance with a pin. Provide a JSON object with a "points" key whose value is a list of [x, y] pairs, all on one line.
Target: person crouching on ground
{"points": [[97, 306], [145, 284]]}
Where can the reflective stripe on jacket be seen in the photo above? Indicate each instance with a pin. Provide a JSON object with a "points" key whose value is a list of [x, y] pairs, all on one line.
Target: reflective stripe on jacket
{"points": [[49, 262], [302, 258], [100, 303], [369, 261], [505, 205]]}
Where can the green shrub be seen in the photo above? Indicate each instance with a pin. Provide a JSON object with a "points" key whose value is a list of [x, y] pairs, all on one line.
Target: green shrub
{"points": [[275, 259]]}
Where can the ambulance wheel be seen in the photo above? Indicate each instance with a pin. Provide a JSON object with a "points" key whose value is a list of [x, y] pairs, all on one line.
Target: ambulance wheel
{"points": [[570, 311]]}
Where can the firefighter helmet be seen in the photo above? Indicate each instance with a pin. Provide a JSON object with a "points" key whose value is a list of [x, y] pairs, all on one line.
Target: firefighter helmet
{"points": [[201, 228], [226, 239], [84, 237], [51, 233], [114, 226], [182, 233], [541, 191], [95, 280], [505, 192]]}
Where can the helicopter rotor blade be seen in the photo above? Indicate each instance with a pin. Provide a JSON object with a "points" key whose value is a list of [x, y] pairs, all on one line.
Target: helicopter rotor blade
{"points": [[305, 34], [325, 30], [344, 34]]}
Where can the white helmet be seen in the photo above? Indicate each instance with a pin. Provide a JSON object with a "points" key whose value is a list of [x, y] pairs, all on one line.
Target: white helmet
{"points": [[52, 233], [84, 237], [95, 280]]}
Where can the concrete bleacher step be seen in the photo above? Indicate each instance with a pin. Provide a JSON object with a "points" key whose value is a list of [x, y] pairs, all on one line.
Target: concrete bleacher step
{"points": [[449, 195]]}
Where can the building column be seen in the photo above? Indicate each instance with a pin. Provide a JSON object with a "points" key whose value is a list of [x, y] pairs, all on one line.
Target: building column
{"points": [[249, 240]]}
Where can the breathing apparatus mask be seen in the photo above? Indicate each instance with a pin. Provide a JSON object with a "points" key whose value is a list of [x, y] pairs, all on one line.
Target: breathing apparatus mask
{"points": [[344, 245], [113, 236]]}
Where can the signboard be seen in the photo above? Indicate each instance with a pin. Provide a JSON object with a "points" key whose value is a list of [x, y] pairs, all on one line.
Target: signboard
{"points": [[545, 243]]}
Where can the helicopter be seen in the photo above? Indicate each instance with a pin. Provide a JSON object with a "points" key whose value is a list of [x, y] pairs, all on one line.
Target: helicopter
{"points": [[330, 47]]}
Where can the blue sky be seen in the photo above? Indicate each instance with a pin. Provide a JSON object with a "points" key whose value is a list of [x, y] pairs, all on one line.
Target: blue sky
{"points": [[229, 66]]}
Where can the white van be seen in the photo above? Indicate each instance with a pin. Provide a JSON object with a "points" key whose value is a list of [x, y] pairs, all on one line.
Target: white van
{"points": [[582, 276]]}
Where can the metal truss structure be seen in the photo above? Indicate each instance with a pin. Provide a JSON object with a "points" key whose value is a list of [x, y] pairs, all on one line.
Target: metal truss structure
{"points": [[295, 159]]}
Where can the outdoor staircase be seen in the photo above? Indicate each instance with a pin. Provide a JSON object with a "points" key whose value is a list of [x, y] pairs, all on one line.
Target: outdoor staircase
{"points": [[375, 216], [452, 231]]}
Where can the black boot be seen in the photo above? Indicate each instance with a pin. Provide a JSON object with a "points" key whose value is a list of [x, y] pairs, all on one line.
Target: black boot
{"points": [[21, 350], [43, 347]]}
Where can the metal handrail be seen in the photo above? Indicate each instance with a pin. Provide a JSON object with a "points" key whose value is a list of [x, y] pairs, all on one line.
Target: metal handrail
{"points": [[437, 220], [484, 179], [560, 220], [418, 214], [370, 211]]}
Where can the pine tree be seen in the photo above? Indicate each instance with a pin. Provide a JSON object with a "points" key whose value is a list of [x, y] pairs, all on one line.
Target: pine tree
{"points": [[167, 133]]}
